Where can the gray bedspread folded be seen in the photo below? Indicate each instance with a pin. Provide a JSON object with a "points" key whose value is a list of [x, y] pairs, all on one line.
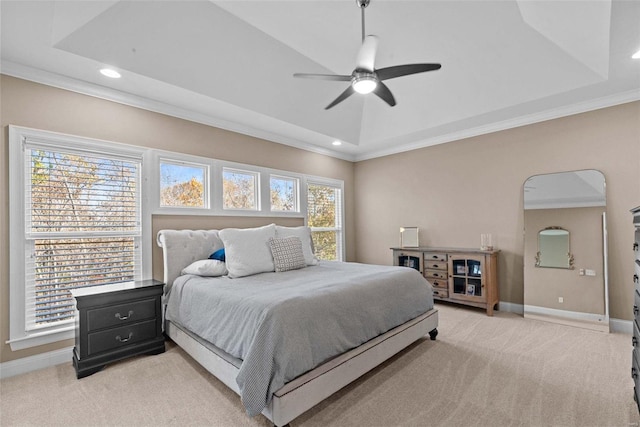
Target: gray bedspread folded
{"points": [[284, 324]]}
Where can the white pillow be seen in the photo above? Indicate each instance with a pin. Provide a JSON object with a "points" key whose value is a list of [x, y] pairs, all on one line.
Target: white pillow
{"points": [[304, 234], [206, 267], [247, 250]]}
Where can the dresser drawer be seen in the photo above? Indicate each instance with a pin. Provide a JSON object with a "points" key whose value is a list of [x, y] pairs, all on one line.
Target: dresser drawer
{"points": [[440, 293], [122, 314], [439, 283], [435, 265], [435, 274], [636, 307], [433, 256], [119, 337]]}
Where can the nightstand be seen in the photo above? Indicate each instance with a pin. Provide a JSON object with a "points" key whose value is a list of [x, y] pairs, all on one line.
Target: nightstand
{"points": [[117, 321]]}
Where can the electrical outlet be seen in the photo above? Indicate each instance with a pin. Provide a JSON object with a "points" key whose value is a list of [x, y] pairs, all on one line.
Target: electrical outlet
{"points": [[581, 272], [560, 300], [590, 272]]}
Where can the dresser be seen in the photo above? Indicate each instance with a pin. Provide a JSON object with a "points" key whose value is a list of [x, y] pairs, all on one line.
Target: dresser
{"points": [[459, 275], [117, 321], [635, 340]]}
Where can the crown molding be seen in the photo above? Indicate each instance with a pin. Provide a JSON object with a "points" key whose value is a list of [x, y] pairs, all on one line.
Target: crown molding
{"points": [[554, 113], [91, 89]]}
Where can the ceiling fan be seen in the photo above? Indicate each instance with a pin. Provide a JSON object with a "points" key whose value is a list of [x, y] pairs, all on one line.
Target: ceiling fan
{"points": [[365, 78]]}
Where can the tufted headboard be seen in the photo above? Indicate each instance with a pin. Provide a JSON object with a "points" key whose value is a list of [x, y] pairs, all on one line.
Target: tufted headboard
{"points": [[182, 247]]}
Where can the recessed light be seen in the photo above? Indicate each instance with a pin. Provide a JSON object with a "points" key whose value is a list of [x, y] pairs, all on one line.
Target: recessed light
{"points": [[109, 72], [336, 143], [636, 55]]}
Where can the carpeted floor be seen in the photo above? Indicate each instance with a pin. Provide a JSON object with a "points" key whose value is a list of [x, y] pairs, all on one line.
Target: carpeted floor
{"points": [[481, 371]]}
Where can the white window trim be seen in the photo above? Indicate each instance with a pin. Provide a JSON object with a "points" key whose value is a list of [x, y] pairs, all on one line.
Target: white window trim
{"points": [[19, 338], [187, 163], [330, 183], [296, 192]]}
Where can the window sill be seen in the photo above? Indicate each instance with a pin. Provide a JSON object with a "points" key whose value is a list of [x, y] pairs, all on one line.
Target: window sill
{"points": [[41, 338]]}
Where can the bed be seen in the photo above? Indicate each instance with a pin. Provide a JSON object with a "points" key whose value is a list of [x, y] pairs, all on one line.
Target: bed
{"points": [[300, 334]]}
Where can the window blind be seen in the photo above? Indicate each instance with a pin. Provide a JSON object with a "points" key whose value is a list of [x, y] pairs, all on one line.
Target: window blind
{"points": [[83, 227]]}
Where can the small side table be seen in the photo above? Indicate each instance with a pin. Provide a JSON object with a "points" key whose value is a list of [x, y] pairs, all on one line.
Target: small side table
{"points": [[117, 321]]}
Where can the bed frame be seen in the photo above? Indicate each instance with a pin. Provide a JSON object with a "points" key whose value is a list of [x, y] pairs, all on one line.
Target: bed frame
{"points": [[182, 247]]}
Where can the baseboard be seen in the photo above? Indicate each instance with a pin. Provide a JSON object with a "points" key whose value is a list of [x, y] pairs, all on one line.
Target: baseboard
{"points": [[616, 325], [511, 307], [35, 362], [621, 326]]}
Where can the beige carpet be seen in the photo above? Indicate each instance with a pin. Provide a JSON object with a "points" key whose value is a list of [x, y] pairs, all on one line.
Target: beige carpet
{"points": [[481, 371]]}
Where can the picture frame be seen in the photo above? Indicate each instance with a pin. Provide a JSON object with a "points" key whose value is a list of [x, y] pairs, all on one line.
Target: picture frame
{"points": [[409, 237], [471, 290]]}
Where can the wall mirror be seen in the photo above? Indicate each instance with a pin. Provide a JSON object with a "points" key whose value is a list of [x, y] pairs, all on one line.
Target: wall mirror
{"points": [[565, 253], [554, 249]]}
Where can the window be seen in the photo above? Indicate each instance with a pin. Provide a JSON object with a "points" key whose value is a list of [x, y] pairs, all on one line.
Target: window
{"points": [[324, 217], [240, 189], [183, 185], [284, 194], [78, 224]]}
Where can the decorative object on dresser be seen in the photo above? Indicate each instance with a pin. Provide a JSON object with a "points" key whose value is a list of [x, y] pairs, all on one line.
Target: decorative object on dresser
{"points": [[117, 321], [409, 237], [635, 358], [463, 276]]}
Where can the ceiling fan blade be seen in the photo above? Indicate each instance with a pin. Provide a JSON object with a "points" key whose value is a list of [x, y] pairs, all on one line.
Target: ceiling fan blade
{"points": [[405, 70], [336, 77], [383, 92], [344, 95], [367, 54]]}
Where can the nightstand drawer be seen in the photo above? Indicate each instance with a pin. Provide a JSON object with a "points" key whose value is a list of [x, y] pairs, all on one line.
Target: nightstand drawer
{"points": [[441, 293], [435, 274], [119, 337], [439, 283], [131, 312], [437, 257]]}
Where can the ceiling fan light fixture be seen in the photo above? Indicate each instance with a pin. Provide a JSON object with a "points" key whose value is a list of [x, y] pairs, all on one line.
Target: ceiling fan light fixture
{"points": [[364, 84]]}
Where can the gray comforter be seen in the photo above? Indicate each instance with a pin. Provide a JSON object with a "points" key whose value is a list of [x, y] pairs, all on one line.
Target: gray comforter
{"points": [[284, 324]]}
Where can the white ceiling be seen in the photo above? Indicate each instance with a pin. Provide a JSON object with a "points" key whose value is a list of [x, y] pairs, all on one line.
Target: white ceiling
{"points": [[230, 63]]}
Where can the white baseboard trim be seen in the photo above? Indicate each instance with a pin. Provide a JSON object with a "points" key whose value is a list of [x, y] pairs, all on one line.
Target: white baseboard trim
{"points": [[615, 325], [35, 362], [621, 326]]}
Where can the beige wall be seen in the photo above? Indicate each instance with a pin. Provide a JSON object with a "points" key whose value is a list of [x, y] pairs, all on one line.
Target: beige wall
{"points": [[543, 286], [37, 106], [453, 192], [456, 191]]}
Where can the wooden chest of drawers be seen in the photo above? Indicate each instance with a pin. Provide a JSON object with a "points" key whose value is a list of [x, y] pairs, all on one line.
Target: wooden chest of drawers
{"points": [[117, 321], [635, 358]]}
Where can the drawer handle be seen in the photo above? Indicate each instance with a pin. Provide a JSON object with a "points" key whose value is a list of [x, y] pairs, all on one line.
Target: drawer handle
{"points": [[634, 374], [634, 341], [635, 246], [119, 316], [635, 278], [435, 257], [635, 310], [119, 338]]}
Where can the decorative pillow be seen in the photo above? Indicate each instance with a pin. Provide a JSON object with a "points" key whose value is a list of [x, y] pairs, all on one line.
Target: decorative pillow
{"points": [[247, 250], [219, 255], [304, 234], [287, 253], [206, 267]]}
